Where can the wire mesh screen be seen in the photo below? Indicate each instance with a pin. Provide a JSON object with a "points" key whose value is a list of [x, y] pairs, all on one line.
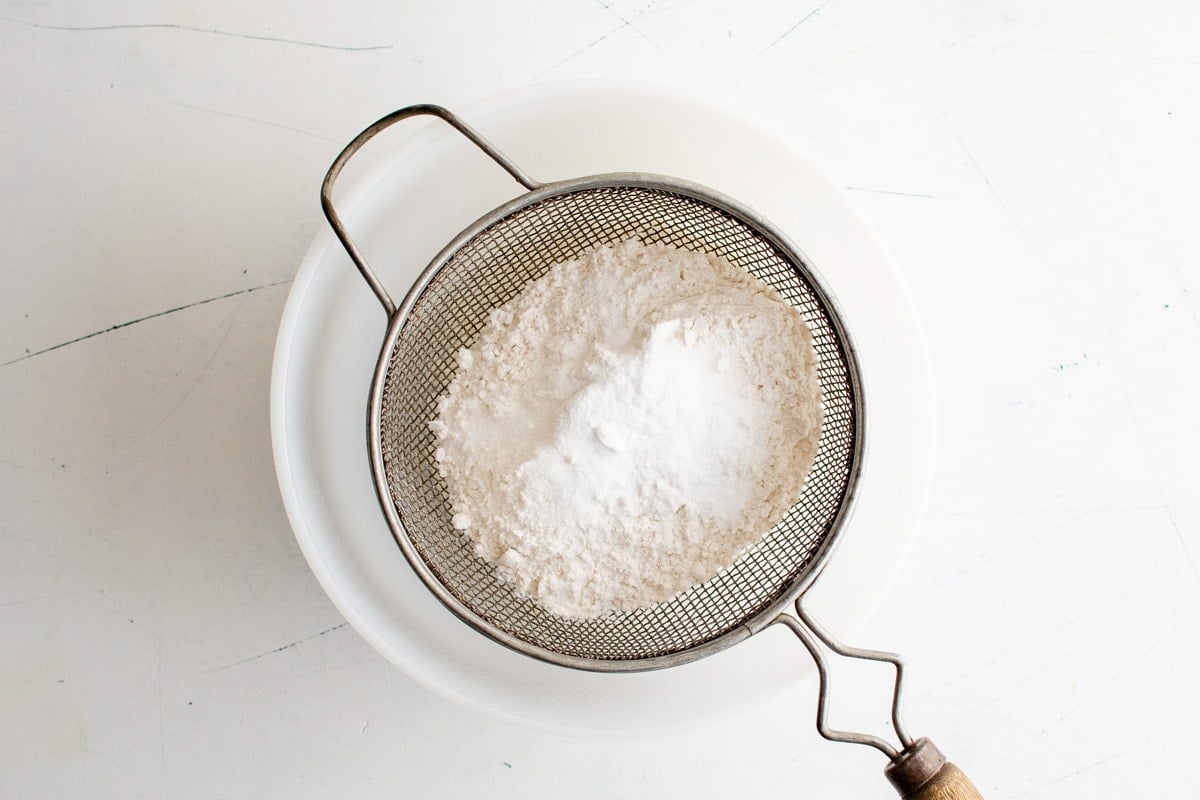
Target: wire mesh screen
{"points": [[490, 270]]}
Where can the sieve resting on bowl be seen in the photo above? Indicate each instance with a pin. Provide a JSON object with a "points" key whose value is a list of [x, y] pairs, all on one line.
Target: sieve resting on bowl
{"points": [[487, 265]]}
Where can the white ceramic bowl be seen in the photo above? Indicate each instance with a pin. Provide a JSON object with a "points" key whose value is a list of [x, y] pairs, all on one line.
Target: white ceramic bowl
{"points": [[430, 185]]}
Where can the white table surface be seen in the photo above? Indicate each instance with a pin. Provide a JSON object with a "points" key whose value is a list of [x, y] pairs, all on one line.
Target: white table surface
{"points": [[1033, 168]]}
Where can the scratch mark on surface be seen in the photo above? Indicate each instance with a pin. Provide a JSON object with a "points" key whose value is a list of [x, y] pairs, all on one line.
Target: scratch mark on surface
{"points": [[1113, 54], [1137, 426], [988, 183], [287, 646], [391, 682], [1142, 656], [121, 325], [789, 31], [1104, 608], [152, 116], [1031, 28], [1178, 533], [203, 12], [34, 470], [1081, 770], [1187, 297], [108, 260], [228, 325], [329, 669], [38, 599], [1034, 512], [583, 49], [192, 29], [268, 123], [102, 538], [885, 191], [1005, 657], [632, 27], [1120, 174], [1020, 687], [105, 756]]}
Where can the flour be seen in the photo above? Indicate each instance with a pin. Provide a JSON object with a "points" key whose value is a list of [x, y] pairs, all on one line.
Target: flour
{"points": [[627, 426]]}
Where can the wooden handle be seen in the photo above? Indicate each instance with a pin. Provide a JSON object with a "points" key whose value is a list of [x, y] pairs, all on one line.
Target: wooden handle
{"points": [[921, 772], [948, 783]]}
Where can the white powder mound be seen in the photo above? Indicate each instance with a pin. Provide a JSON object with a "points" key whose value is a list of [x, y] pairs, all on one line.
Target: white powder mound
{"points": [[627, 426]]}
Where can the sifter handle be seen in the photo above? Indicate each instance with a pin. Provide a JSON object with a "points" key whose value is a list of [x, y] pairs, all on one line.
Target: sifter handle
{"points": [[918, 771], [948, 784], [921, 772], [357, 142]]}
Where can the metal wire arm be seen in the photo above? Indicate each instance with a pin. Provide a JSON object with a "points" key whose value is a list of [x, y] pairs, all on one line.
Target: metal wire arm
{"points": [[335, 220], [808, 631]]}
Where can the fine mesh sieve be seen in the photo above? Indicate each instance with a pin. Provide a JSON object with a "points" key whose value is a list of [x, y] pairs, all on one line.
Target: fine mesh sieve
{"points": [[489, 270], [487, 265]]}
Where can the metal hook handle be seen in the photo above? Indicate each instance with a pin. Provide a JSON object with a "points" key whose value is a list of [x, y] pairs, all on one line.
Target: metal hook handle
{"points": [[335, 221]]}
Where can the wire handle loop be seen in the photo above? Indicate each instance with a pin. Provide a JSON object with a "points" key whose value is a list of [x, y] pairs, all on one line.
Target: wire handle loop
{"points": [[809, 632], [335, 220]]}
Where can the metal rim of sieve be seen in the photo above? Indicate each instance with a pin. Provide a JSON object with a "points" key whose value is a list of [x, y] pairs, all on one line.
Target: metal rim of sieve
{"points": [[395, 515], [917, 761]]}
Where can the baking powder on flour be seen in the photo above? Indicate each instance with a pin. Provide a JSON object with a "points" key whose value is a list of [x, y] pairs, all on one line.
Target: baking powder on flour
{"points": [[627, 426]]}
